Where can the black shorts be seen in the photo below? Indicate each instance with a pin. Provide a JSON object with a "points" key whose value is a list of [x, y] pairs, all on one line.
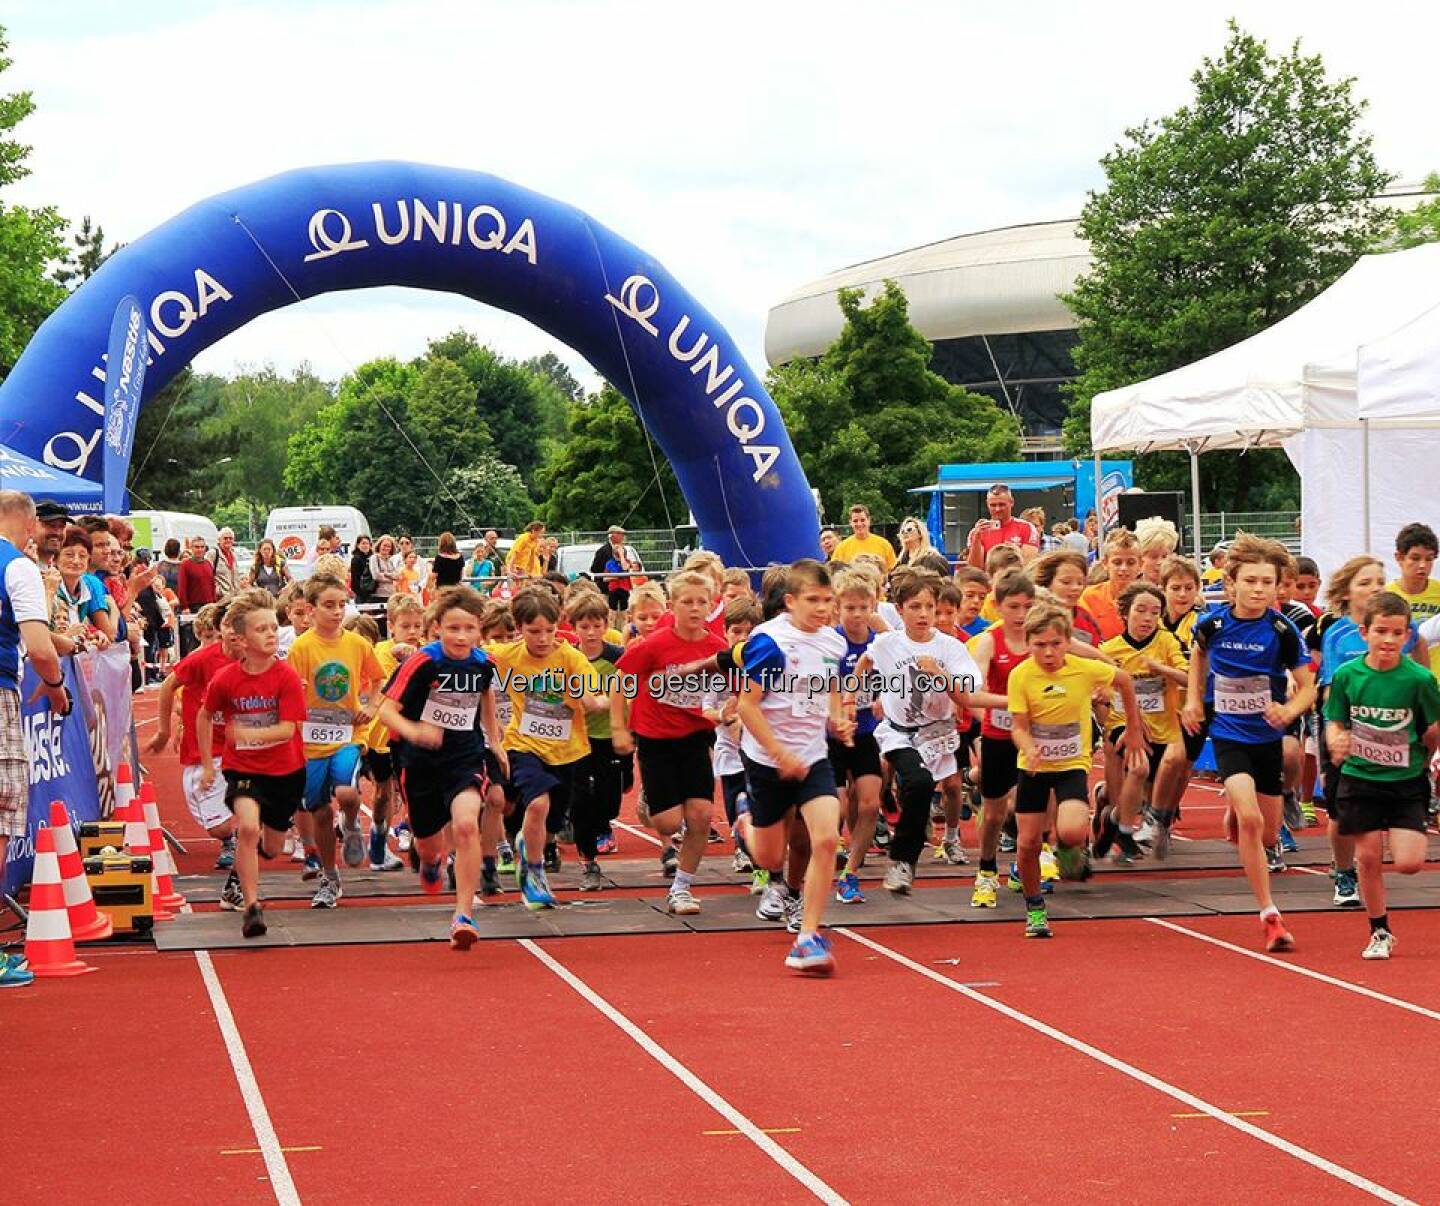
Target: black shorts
{"points": [[1367, 806], [851, 762], [497, 777], [532, 777], [1157, 751], [279, 796], [1263, 763], [1032, 793], [619, 600], [428, 795], [731, 787], [999, 771], [380, 765], [676, 769], [1195, 742], [772, 798]]}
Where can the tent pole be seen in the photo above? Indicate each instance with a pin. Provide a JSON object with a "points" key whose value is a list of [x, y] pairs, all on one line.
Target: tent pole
{"points": [[1195, 503], [1365, 480], [1099, 510]]}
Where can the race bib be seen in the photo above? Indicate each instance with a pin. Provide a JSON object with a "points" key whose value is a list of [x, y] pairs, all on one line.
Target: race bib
{"points": [[504, 709], [1382, 747], [1057, 742], [680, 693], [933, 749], [455, 711], [1150, 695], [253, 720], [327, 726], [545, 721], [1002, 720], [1247, 696]]}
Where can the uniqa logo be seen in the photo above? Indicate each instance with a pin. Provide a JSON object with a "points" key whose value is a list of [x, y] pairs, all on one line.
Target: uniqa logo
{"points": [[639, 301], [484, 227]]}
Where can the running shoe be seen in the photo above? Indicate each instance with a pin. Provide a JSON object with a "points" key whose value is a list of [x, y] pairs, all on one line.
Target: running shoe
{"points": [[606, 844], [1049, 869], [681, 903], [1291, 816], [226, 858], [794, 911], [984, 895], [328, 894], [715, 837], [1277, 937], [1347, 890], [490, 882], [232, 900], [1007, 843], [15, 973], [812, 955], [536, 890], [289, 845], [668, 860], [430, 875], [882, 834], [463, 934], [15, 959], [297, 853], [1127, 849], [1274, 861], [352, 844], [252, 924], [1037, 923], [1072, 862], [1103, 828], [591, 880], [1145, 835], [1382, 943], [404, 836], [772, 901], [518, 865], [740, 863], [953, 852], [1160, 847], [311, 870], [1012, 881], [504, 858], [1288, 844], [1307, 810], [389, 861], [552, 857], [898, 878], [847, 889], [759, 881]]}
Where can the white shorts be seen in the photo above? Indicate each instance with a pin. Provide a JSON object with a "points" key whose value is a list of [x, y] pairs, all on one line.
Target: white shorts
{"points": [[207, 807]]}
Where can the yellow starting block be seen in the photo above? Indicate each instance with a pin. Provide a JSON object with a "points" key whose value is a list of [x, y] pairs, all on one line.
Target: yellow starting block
{"points": [[121, 885], [96, 835]]}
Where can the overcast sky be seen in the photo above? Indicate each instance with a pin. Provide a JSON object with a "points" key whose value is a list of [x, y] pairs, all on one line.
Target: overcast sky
{"points": [[749, 146]]}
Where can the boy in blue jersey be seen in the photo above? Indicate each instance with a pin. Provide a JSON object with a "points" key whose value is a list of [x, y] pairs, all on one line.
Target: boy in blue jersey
{"points": [[1241, 656]]}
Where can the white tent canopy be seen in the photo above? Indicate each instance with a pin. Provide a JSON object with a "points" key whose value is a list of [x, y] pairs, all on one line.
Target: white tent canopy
{"points": [[1254, 393]]}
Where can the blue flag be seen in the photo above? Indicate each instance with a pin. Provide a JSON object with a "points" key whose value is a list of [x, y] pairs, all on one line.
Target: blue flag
{"points": [[124, 386]]}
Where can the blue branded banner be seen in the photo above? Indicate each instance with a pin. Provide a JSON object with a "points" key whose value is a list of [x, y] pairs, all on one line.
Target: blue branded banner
{"points": [[61, 767], [124, 387]]}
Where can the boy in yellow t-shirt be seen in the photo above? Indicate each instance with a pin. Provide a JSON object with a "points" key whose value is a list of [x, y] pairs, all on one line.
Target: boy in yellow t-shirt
{"points": [[551, 686], [1049, 698], [1415, 551], [341, 677], [1151, 654]]}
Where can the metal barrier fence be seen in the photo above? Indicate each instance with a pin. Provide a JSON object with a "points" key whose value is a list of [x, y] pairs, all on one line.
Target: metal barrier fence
{"points": [[1273, 525]]}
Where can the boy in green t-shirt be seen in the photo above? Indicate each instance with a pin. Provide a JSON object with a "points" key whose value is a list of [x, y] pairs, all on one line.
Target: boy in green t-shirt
{"points": [[1380, 715]]}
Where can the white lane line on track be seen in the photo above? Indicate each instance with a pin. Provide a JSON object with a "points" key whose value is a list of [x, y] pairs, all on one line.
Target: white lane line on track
{"points": [[280, 1179], [1339, 1172], [640, 833], [692, 1082], [1296, 969]]}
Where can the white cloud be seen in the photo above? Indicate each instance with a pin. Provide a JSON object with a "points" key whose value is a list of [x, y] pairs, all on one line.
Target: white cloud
{"points": [[750, 147]]}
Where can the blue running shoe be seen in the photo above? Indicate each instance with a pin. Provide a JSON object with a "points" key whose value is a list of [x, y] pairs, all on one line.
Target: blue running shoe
{"points": [[847, 889], [463, 934], [14, 973], [1288, 844], [520, 860], [535, 890], [812, 956], [505, 859], [311, 869]]}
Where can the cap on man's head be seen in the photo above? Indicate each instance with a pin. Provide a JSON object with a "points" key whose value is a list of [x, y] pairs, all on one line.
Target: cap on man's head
{"points": [[49, 512], [1221, 546], [614, 529]]}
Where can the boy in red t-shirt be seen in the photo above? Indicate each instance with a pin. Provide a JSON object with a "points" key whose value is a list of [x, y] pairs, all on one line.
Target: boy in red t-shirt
{"points": [[263, 702], [672, 735], [194, 673]]}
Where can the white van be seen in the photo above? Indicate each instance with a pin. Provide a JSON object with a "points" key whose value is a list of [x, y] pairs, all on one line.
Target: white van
{"points": [[154, 528], [294, 529]]}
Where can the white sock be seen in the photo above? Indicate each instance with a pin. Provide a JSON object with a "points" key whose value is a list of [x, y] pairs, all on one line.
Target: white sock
{"points": [[952, 833], [682, 881]]}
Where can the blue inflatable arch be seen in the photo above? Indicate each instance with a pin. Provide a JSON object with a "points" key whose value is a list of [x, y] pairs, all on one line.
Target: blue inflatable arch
{"points": [[243, 253]]}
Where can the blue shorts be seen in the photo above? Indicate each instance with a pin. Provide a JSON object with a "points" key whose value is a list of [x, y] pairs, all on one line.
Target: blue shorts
{"points": [[324, 775], [772, 798]]}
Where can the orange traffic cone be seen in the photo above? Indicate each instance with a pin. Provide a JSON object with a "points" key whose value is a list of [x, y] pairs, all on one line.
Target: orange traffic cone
{"points": [[165, 894], [124, 791], [127, 809], [137, 845], [87, 923], [49, 949]]}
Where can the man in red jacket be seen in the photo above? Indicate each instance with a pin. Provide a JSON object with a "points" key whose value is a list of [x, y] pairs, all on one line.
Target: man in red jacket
{"points": [[195, 589]]}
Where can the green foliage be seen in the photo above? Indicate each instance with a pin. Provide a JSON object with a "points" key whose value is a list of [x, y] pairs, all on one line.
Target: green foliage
{"points": [[442, 409], [602, 473], [88, 254], [870, 421], [1411, 227], [493, 493], [1217, 221], [258, 412], [178, 444]]}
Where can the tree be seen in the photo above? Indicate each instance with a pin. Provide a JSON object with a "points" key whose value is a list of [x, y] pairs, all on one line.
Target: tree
{"points": [[493, 494], [602, 474], [557, 373], [1217, 221], [1411, 227], [89, 253], [31, 240], [178, 445], [442, 409], [259, 411], [870, 421]]}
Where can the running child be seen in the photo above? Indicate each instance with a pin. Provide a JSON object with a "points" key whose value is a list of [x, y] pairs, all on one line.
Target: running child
{"points": [[1063, 573], [405, 622], [723, 707], [262, 703], [1049, 698], [665, 724], [1238, 666], [1122, 565], [1180, 581], [647, 608], [1415, 551], [599, 781], [790, 699], [857, 765], [498, 627], [342, 679], [1380, 710], [440, 705], [974, 586]]}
